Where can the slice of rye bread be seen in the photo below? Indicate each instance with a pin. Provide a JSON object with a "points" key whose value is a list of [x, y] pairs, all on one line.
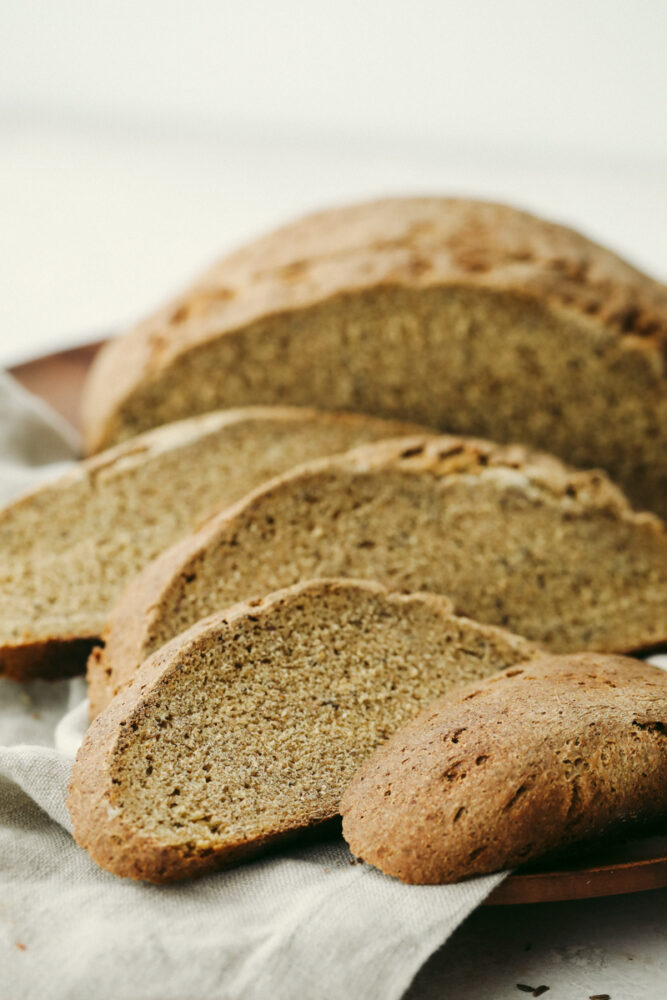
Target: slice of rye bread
{"points": [[562, 750], [469, 317], [514, 537], [248, 727], [68, 549]]}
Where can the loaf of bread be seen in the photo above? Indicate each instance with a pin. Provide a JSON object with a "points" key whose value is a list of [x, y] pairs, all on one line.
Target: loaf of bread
{"points": [[247, 728], [514, 537], [529, 762], [469, 317], [68, 549]]}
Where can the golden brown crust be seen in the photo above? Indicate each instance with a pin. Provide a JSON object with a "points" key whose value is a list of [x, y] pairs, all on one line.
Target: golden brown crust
{"points": [[413, 243], [101, 827], [528, 762], [133, 618]]}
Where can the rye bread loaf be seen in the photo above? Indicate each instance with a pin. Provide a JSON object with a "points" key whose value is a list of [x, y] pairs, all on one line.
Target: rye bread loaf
{"points": [[514, 537], [469, 317], [247, 728], [534, 760], [68, 548]]}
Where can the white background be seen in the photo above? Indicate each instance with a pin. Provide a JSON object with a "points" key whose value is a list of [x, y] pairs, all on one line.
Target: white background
{"points": [[140, 138]]}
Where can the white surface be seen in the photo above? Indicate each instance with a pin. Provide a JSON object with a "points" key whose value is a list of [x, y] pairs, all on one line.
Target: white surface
{"points": [[579, 949], [573, 75]]}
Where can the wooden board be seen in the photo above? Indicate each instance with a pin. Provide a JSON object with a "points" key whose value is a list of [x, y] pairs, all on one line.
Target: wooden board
{"points": [[632, 866]]}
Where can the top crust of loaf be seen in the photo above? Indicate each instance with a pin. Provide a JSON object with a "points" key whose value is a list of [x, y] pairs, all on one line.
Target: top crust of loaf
{"points": [[498, 773], [407, 242]]}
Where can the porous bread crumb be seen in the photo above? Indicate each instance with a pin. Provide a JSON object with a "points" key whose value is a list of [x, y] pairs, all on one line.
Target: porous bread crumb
{"points": [[248, 726], [516, 539]]}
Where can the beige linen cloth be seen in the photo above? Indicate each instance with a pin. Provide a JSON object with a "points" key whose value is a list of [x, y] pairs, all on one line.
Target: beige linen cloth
{"points": [[307, 924]]}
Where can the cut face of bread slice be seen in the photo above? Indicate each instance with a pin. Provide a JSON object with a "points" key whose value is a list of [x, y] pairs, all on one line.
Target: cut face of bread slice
{"points": [[248, 727], [69, 548], [540, 757], [514, 537], [469, 317]]}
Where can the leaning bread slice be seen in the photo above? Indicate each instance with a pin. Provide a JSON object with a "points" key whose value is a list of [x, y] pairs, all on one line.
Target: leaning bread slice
{"points": [[514, 537], [68, 549], [469, 317], [543, 756], [248, 727]]}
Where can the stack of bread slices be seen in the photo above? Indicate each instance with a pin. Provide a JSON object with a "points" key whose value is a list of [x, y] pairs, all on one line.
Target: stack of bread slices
{"points": [[370, 516]]}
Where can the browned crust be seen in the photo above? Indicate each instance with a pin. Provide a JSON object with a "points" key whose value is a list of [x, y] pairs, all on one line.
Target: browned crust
{"points": [[50, 659], [406, 242], [100, 827], [64, 655], [422, 454], [499, 773]]}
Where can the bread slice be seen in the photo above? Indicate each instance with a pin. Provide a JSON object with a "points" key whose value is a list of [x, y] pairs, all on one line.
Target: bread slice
{"points": [[538, 758], [68, 549], [248, 727], [514, 537], [470, 317]]}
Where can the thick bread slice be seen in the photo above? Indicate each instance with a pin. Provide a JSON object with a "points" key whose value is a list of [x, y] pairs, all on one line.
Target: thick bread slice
{"points": [[248, 727], [514, 537], [470, 317], [538, 758], [69, 548]]}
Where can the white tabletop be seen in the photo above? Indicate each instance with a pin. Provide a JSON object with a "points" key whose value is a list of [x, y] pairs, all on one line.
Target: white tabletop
{"points": [[615, 946]]}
